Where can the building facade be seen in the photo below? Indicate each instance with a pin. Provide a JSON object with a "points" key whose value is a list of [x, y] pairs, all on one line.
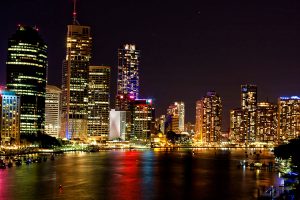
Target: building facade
{"points": [[198, 121], [143, 120], [117, 120], [26, 76], [75, 82], [99, 102], [210, 118], [175, 117], [128, 76], [249, 107], [288, 118], [181, 115], [9, 117], [266, 122], [238, 126], [53, 111]]}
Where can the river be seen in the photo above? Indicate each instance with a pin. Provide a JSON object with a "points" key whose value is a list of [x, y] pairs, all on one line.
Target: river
{"points": [[181, 174]]}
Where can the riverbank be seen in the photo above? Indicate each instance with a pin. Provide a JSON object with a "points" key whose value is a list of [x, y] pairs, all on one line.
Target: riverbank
{"points": [[291, 151], [95, 148]]}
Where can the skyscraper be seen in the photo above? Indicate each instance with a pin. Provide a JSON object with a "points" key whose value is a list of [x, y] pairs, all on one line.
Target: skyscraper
{"points": [[143, 119], [266, 122], [238, 126], [99, 102], [75, 80], [128, 76], [199, 115], [249, 97], [53, 111], [175, 117], [181, 115], [210, 114], [26, 76], [249, 106], [9, 117], [288, 118]]}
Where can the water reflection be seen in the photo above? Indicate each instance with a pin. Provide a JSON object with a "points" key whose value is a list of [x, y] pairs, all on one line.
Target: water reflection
{"points": [[3, 184], [125, 182], [205, 174]]}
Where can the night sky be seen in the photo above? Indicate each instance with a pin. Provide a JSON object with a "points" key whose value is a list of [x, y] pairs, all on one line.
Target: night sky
{"points": [[187, 47]]}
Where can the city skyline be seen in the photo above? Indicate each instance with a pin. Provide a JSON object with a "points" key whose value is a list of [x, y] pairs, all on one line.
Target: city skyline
{"points": [[186, 49]]}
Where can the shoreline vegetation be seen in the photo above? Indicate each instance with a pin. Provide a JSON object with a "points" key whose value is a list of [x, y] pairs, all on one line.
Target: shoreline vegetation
{"points": [[291, 151]]}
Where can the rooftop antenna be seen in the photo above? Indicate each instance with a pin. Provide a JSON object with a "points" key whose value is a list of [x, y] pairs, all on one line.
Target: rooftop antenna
{"points": [[74, 13]]}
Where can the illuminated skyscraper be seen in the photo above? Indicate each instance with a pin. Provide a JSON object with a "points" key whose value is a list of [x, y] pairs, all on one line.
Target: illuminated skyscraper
{"points": [[181, 115], [53, 111], [143, 119], [9, 117], [99, 102], [288, 118], [199, 116], [75, 80], [249, 107], [238, 126], [249, 97], [128, 76], [172, 119], [266, 122], [210, 114], [175, 117], [26, 76], [253, 122]]}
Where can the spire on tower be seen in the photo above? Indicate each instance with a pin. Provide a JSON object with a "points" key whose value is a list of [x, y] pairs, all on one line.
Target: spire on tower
{"points": [[74, 13]]}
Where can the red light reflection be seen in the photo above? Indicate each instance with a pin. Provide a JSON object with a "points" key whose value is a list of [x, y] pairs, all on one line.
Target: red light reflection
{"points": [[127, 178]]}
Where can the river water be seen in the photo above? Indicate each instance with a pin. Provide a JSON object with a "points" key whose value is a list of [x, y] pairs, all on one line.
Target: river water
{"points": [[180, 174]]}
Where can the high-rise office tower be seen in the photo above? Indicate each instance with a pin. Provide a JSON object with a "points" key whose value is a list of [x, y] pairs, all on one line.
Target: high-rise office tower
{"points": [[266, 122], [9, 117], [142, 119], [288, 118], [53, 111], [172, 119], [98, 102], [238, 126], [75, 80], [175, 117], [26, 76], [249, 97], [211, 117], [199, 116], [181, 115], [128, 76], [249, 106]]}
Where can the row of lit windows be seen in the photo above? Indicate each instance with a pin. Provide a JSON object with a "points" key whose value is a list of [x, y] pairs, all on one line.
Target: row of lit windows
{"points": [[24, 63], [32, 77], [22, 49]]}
